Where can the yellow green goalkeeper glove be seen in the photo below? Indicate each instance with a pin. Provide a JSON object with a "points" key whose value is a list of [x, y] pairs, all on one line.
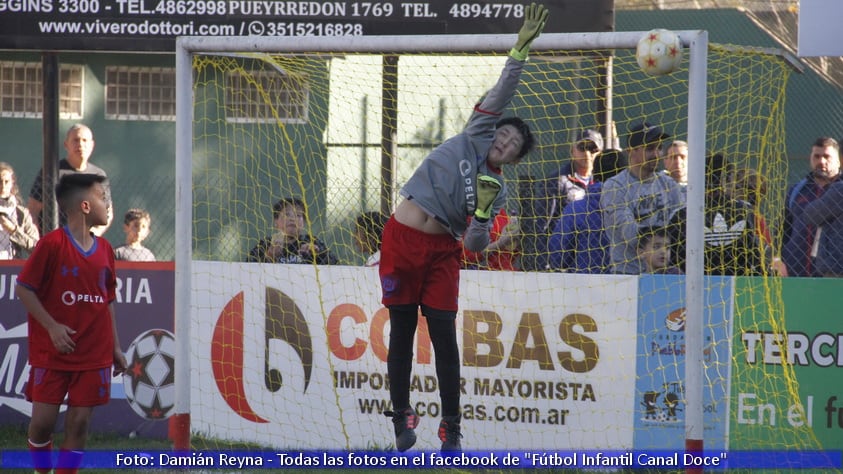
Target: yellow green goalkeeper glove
{"points": [[488, 189], [535, 17]]}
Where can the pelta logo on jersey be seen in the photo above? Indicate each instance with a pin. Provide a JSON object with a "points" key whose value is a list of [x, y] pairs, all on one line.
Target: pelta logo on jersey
{"points": [[69, 298], [285, 328]]}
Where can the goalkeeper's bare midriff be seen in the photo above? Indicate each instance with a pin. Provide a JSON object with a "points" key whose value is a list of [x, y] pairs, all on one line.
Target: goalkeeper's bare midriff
{"points": [[411, 215]]}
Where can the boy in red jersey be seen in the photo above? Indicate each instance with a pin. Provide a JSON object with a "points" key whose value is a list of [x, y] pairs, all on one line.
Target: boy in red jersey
{"points": [[68, 288]]}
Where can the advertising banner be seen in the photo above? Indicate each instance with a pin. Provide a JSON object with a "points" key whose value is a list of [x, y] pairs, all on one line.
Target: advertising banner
{"points": [[787, 388], [279, 351], [660, 388], [144, 303]]}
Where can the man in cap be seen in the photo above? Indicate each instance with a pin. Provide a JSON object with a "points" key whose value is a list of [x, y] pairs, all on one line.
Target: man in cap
{"points": [[541, 210], [638, 197]]}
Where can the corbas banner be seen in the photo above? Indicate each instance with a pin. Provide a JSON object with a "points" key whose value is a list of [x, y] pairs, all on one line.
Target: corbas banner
{"points": [[144, 303], [153, 25]]}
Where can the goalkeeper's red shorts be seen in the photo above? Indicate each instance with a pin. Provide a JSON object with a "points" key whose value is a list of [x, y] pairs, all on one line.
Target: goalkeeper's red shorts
{"points": [[418, 268]]}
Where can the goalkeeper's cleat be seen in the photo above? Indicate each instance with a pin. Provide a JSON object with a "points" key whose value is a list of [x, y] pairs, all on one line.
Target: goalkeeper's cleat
{"points": [[405, 422], [449, 433]]}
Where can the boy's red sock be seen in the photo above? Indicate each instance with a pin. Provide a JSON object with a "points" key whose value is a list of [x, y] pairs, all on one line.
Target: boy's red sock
{"points": [[69, 461], [42, 456]]}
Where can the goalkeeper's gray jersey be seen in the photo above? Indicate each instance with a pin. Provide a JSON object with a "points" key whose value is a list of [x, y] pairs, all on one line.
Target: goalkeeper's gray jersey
{"points": [[445, 183]]}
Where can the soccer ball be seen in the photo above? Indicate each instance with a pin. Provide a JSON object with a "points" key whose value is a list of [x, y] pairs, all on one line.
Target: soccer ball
{"points": [[148, 381], [659, 52]]}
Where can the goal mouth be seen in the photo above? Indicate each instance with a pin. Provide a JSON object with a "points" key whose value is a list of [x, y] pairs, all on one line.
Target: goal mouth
{"points": [[340, 124]]}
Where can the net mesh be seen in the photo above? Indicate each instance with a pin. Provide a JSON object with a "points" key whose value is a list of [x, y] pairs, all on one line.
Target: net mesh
{"points": [[312, 126]]}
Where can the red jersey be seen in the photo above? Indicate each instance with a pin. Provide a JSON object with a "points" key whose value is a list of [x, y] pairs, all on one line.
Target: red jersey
{"points": [[76, 288], [500, 260]]}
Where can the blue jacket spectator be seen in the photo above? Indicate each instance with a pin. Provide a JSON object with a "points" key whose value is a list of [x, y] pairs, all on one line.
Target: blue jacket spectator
{"points": [[826, 213], [799, 234], [578, 243]]}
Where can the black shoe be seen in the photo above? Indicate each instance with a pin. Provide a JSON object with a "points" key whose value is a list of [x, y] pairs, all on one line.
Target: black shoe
{"points": [[405, 422], [449, 433]]}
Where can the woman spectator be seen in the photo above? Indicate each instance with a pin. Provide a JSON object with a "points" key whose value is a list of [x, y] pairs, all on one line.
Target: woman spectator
{"points": [[18, 233]]}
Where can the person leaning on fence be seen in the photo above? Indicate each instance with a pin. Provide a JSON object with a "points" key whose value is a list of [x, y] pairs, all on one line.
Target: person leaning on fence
{"points": [[676, 164], [420, 255], [72, 347], [368, 228], [732, 244], [750, 186], [638, 196], [542, 211], [826, 214], [18, 234], [289, 243], [578, 243], [800, 237], [79, 145], [501, 252], [136, 226], [654, 251]]}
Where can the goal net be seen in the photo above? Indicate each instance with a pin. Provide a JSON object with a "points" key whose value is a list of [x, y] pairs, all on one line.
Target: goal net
{"points": [[293, 356]]}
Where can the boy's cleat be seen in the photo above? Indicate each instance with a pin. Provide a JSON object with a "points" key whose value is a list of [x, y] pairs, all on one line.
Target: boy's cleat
{"points": [[449, 433], [405, 422]]}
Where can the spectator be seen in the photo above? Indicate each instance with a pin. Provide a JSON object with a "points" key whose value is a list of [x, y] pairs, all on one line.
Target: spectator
{"points": [[551, 195], [732, 244], [289, 243], [136, 226], [800, 236], [637, 197], [72, 347], [654, 251], [676, 164], [420, 256], [79, 144], [501, 252], [368, 229], [18, 234], [826, 214], [750, 186], [578, 243]]}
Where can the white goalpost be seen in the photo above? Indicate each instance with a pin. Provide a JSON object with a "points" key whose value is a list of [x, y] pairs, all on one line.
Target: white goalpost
{"points": [[188, 266]]}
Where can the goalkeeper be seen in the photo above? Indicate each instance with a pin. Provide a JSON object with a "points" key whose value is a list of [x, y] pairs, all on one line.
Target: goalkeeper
{"points": [[421, 251]]}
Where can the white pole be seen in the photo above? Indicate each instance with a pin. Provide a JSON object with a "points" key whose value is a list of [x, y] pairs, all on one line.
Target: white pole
{"points": [[694, 282], [410, 44], [180, 422]]}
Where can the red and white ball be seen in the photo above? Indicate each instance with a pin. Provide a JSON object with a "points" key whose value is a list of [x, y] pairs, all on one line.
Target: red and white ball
{"points": [[659, 52]]}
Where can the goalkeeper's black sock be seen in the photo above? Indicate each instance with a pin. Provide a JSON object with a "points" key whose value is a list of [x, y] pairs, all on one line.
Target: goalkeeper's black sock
{"points": [[443, 335], [399, 361]]}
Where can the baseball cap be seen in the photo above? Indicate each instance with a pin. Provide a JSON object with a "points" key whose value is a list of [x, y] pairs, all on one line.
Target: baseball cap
{"points": [[590, 135], [645, 133]]}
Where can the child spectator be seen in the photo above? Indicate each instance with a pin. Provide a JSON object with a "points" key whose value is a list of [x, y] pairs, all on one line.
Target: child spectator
{"points": [[367, 235], [18, 234], [654, 251], [68, 287], [501, 252], [136, 224], [289, 243]]}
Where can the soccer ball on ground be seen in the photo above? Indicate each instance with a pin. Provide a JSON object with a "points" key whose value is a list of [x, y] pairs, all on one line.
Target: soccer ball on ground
{"points": [[149, 379], [659, 52]]}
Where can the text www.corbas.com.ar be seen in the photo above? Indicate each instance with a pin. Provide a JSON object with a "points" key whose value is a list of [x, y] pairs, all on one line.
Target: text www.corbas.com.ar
{"points": [[479, 412]]}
